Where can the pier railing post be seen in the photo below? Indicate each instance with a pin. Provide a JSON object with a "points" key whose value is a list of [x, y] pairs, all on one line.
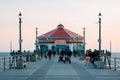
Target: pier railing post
{"points": [[105, 60], [10, 63], [4, 63], [15, 61], [115, 63]]}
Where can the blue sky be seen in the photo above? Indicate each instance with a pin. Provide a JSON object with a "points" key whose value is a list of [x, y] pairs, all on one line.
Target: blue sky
{"points": [[47, 14]]}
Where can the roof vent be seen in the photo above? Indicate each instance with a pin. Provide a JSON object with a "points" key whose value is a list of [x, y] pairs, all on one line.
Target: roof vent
{"points": [[60, 26]]}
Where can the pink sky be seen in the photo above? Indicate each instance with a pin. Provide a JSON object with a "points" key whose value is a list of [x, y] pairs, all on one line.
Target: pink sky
{"points": [[47, 14]]}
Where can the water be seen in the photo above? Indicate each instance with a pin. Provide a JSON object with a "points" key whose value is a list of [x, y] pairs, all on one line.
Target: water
{"points": [[116, 54], [4, 54]]}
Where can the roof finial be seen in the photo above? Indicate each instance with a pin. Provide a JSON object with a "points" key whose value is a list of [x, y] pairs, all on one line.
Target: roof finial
{"points": [[60, 26]]}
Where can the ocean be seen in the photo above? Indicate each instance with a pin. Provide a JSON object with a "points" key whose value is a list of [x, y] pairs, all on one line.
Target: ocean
{"points": [[4, 54], [117, 54]]}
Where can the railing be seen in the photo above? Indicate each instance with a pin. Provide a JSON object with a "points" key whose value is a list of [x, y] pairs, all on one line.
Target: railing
{"points": [[115, 63], [9, 62], [4, 63], [112, 62], [17, 61]]}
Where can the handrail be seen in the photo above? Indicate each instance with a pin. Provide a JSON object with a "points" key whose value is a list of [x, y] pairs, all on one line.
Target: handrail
{"points": [[115, 62], [9, 62], [112, 62], [4, 63]]}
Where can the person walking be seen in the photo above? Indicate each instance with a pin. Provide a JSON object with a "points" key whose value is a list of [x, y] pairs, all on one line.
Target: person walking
{"points": [[49, 54], [88, 57], [46, 54]]}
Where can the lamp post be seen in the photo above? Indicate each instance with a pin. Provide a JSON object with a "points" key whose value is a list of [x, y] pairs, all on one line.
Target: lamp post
{"points": [[110, 46], [84, 40], [10, 46], [77, 43], [20, 39], [36, 42], [99, 40]]}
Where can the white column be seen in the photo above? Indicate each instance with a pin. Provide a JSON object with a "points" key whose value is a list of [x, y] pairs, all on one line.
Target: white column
{"points": [[71, 47], [50, 46]]}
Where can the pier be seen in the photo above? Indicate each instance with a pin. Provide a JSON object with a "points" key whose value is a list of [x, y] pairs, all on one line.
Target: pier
{"points": [[53, 70]]}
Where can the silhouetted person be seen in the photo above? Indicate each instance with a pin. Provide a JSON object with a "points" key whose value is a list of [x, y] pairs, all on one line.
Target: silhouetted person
{"points": [[108, 58], [49, 54]]}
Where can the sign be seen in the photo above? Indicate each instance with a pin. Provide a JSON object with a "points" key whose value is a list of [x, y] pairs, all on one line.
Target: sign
{"points": [[60, 42]]}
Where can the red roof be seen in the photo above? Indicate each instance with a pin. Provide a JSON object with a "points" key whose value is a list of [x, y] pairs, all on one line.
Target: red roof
{"points": [[60, 31]]}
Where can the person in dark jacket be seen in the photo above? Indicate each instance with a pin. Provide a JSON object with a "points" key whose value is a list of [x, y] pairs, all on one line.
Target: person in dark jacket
{"points": [[49, 54]]}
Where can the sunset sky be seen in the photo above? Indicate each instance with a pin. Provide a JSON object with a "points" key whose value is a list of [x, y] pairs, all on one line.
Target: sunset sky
{"points": [[47, 14]]}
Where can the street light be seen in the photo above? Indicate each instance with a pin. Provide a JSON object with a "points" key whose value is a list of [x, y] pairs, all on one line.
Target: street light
{"points": [[10, 46], [110, 46], [36, 43], [77, 42], [84, 40], [99, 40], [20, 39]]}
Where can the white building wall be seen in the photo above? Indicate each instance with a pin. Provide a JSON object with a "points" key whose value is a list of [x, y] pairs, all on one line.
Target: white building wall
{"points": [[50, 46], [70, 46]]}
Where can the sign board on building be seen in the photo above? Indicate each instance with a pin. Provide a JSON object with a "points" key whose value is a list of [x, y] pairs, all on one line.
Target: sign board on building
{"points": [[60, 42]]}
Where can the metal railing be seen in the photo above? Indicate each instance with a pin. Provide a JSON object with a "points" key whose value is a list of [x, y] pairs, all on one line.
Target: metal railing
{"points": [[115, 63], [4, 63], [9, 62], [112, 62]]}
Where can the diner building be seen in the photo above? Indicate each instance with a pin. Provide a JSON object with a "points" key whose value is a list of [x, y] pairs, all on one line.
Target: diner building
{"points": [[60, 38]]}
